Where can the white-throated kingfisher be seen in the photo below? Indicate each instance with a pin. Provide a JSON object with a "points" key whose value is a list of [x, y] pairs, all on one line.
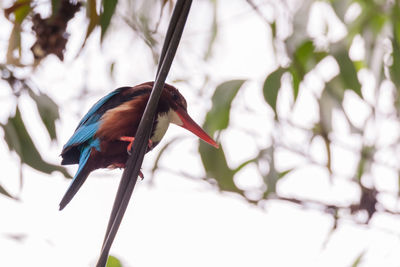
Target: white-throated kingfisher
{"points": [[105, 134]]}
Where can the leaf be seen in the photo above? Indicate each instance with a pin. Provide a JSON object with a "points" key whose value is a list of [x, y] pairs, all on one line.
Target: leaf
{"points": [[284, 173], [3, 191], [14, 43], [19, 140], [55, 6], [91, 13], [305, 58], [20, 9], [214, 162], [303, 55], [348, 73], [271, 87], [218, 117], [295, 81], [106, 15], [395, 67], [358, 260], [48, 111], [113, 262], [244, 164]]}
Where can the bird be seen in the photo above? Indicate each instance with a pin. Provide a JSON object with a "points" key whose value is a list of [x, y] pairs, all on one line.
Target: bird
{"points": [[104, 136]]}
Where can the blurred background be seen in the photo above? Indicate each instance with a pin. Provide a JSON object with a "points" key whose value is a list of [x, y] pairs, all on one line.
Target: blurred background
{"points": [[302, 96]]}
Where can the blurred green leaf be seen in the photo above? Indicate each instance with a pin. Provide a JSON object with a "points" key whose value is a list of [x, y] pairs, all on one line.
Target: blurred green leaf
{"points": [[14, 44], [19, 140], [214, 162], [55, 6], [271, 87], [244, 164], [377, 21], [395, 68], [358, 259], [348, 73], [48, 111], [303, 55], [91, 14], [305, 58], [105, 17], [22, 11], [218, 117], [113, 262], [20, 8], [3, 191], [295, 81], [284, 173]]}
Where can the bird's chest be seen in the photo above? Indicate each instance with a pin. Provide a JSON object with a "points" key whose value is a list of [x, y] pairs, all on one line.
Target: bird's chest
{"points": [[161, 127]]}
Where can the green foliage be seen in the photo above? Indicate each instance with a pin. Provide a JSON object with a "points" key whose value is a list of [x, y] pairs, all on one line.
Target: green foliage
{"points": [[91, 14], [304, 59], [48, 111], [19, 140], [348, 73], [217, 118], [21, 10], [106, 15], [271, 87], [358, 260], [113, 262], [4, 192], [55, 6], [216, 166]]}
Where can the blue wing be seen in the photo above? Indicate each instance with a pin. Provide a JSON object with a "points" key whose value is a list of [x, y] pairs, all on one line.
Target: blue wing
{"points": [[87, 127], [89, 124]]}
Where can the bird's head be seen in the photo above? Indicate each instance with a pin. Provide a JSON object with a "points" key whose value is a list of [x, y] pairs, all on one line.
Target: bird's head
{"points": [[178, 114]]}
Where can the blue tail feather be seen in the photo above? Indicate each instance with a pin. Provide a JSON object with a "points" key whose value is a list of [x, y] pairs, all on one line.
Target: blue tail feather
{"points": [[81, 174]]}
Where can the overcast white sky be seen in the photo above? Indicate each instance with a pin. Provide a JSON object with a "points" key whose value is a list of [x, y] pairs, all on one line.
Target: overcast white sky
{"points": [[178, 221]]}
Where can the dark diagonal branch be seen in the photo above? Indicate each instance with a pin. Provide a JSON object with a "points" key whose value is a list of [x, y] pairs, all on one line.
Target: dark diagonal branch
{"points": [[129, 176]]}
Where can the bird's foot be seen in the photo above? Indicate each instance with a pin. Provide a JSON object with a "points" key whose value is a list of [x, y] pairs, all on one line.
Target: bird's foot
{"points": [[141, 175], [130, 139], [122, 166]]}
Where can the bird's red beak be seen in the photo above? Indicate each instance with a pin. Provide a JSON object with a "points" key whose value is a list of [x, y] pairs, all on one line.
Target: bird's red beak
{"points": [[191, 125]]}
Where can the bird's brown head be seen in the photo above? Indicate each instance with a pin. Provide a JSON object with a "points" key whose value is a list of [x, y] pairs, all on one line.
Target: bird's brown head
{"points": [[178, 113]]}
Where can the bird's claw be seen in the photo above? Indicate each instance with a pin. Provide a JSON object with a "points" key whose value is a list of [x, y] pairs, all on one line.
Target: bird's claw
{"points": [[130, 139]]}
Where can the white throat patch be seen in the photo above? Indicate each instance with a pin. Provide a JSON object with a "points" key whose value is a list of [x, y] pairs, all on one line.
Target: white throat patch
{"points": [[163, 121], [174, 118], [161, 128]]}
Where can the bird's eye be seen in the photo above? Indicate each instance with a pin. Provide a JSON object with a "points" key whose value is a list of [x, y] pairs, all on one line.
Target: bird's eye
{"points": [[175, 97]]}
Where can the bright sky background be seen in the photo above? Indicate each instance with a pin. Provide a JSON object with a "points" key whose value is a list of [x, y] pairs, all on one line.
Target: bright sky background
{"points": [[176, 221]]}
